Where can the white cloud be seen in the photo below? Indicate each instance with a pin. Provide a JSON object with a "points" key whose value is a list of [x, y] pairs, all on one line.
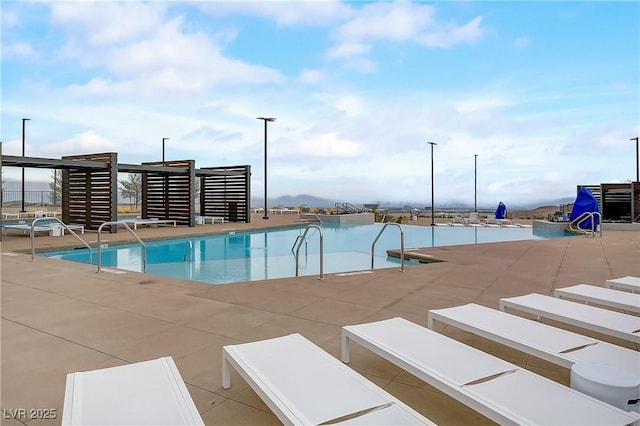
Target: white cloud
{"points": [[362, 65], [20, 49], [101, 87], [108, 23], [81, 143], [397, 21], [346, 50], [9, 19], [285, 13], [168, 62], [325, 145], [312, 75], [406, 22], [451, 34], [348, 105]]}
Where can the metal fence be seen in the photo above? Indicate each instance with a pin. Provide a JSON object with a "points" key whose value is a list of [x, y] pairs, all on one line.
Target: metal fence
{"points": [[31, 198]]}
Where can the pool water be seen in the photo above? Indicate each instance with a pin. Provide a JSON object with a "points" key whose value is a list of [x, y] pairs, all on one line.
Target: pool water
{"points": [[267, 254]]}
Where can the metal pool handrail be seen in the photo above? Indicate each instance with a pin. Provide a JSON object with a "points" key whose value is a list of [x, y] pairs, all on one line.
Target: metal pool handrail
{"points": [[303, 238], [582, 218], [117, 223], [373, 245], [317, 217], [32, 235], [295, 243], [188, 252]]}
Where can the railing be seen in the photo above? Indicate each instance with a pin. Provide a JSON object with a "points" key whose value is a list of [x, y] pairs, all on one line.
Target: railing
{"points": [[304, 217], [117, 223], [373, 245], [583, 218], [317, 217], [347, 208], [31, 198], [302, 238], [32, 235], [296, 243]]}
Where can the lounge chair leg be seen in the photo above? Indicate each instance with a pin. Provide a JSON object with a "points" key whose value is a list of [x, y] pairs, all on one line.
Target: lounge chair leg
{"points": [[345, 348], [226, 376], [430, 321]]}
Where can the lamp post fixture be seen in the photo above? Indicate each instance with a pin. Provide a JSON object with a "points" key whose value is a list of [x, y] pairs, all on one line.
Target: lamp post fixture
{"points": [[265, 119], [24, 120], [432, 204], [475, 182], [163, 139], [637, 159]]}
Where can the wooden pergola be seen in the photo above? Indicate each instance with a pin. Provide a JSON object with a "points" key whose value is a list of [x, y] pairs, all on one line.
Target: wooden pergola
{"points": [[90, 188]]}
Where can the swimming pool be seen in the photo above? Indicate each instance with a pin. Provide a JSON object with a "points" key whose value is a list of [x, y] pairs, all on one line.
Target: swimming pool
{"points": [[267, 254]]}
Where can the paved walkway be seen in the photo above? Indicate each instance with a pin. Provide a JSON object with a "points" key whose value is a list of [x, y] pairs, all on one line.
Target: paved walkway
{"points": [[60, 317]]}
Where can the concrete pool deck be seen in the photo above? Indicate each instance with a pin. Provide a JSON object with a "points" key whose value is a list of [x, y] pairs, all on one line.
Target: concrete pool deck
{"points": [[60, 317]]}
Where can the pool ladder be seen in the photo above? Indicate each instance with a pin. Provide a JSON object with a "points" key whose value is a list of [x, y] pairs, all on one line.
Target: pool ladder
{"points": [[32, 235], [583, 218], [373, 245], [188, 252], [118, 223], [298, 244]]}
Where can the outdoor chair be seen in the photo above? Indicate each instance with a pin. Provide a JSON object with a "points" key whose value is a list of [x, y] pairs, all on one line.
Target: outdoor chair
{"points": [[552, 344], [590, 294], [616, 324], [493, 387], [304, 385], [144, 393]]}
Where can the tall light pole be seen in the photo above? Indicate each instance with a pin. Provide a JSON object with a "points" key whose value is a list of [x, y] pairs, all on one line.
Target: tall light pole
{"points": [[163, 139], [432, 204], [637, 159], [24, 120], [265, 119], [475, 182]]}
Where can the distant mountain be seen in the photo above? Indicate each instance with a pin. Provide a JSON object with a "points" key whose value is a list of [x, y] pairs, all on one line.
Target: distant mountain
{"points": [[313, 201]]}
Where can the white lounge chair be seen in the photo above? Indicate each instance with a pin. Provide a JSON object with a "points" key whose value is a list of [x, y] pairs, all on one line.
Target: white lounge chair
{"points": [[149, 222], [304, 385], [212, 219], [144, 393], [26, 229], [74, 227], [625, 283], [553, 344], [474, 220], [10, 215], [603, 321], [495, 388], [591, 294], [53, 229]]}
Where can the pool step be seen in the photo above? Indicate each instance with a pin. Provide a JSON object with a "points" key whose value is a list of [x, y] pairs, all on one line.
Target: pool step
{"points": [[413, 255]]}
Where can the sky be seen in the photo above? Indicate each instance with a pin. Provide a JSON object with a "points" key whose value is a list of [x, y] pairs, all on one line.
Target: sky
{"points": [[525, 100]]}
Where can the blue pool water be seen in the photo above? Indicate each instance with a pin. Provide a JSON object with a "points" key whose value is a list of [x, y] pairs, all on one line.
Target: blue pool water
{"points": [[268, 254]]}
